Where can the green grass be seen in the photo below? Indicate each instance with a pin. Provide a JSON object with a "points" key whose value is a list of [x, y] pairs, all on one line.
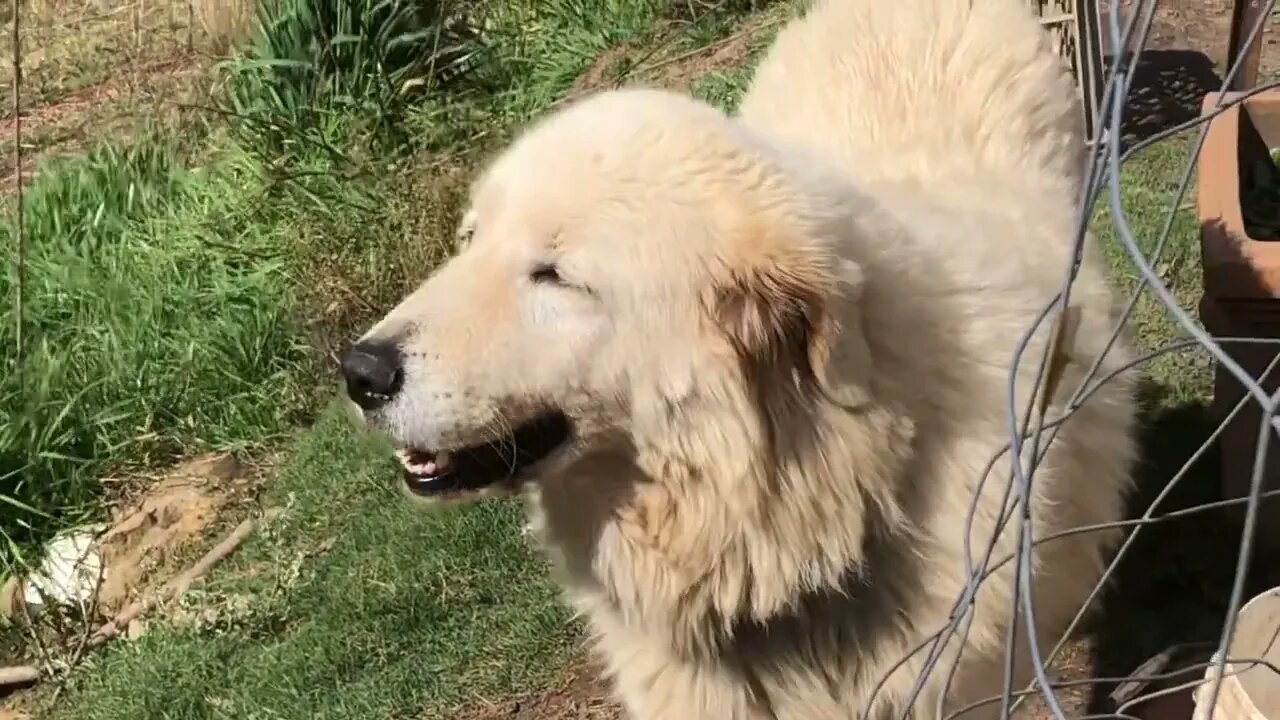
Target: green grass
{"points": [[319, 64], [180, 296], [558, 39], [360, 605], [722, 88], [1149, 186], [155, 314]]}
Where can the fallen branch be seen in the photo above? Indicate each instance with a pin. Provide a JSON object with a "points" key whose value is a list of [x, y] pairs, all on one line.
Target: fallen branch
{"points": [[26, 674], [178, 586], [19, 675]]}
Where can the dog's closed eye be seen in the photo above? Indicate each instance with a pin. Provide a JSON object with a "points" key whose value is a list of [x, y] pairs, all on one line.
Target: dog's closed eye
{"points": [[546, 273], [466, 229], [549, 275]]}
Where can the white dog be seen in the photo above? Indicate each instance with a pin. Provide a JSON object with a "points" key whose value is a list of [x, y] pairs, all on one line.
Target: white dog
{"points": [[750, 371]]}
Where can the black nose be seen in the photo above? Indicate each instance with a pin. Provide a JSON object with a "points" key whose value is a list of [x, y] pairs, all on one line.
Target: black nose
{"points": [[373, 372]]}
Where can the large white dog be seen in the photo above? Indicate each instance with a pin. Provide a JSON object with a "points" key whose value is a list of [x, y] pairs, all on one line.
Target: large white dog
{"points": [[750, 370]]}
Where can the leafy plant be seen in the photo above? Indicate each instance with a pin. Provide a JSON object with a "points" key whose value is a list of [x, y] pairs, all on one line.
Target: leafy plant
{"points": [[318, 63]]}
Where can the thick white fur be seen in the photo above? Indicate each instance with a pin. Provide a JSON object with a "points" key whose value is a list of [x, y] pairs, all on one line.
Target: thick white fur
{"points": [[785, 341]]}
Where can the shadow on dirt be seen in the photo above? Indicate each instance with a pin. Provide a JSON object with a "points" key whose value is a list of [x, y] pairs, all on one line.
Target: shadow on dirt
{"points": [[1168, 89]]}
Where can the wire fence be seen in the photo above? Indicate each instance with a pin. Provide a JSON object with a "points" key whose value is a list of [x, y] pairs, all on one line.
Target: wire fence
{"points": [[81, 70], [1032, 431]]}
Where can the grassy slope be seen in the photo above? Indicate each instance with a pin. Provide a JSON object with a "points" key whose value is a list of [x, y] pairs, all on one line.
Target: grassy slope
{"points": [[158, 301], [357, 605], [354, 605], [163, 278], [394, 612]]}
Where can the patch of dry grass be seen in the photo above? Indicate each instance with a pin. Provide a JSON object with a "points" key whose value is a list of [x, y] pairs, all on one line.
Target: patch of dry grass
{"points": [[225, 24], [70, 45], [94, 69], [355, 272]]}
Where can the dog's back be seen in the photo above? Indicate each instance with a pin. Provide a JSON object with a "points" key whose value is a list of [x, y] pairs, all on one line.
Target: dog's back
{"points": [[763, 549], [964, 125], [922, 89]]}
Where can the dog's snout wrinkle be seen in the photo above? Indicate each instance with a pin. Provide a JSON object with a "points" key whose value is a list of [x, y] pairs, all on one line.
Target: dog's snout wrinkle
{"points": [[374, 373]]}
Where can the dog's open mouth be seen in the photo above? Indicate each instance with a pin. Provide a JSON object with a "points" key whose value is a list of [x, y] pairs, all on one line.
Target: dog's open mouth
{"points": [[466, 470]]}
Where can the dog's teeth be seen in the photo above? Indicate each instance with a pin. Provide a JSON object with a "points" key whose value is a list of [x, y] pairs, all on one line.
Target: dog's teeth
{"points": [[427, 468], [423, 464]]}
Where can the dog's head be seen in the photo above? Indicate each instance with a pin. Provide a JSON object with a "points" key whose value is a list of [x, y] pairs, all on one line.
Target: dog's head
{"points": [[629, 262]]}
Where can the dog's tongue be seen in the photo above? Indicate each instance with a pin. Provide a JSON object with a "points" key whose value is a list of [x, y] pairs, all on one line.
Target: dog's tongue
{"points": [[423, 463]]}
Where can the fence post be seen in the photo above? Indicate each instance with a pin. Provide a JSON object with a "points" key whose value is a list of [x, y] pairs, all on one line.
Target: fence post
{"points": [[1245, 16], [1089, 70]]}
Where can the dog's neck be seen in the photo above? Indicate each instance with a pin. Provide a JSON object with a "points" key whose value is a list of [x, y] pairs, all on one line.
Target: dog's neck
{"points": [[724, 529], [733, 504]]}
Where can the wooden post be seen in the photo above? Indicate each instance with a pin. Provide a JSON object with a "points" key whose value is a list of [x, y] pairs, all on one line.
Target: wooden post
{"points": [[1077, 36], [1244, 17], [1089, 73]]}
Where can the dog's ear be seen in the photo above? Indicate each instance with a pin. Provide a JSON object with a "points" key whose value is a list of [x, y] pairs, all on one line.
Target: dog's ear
{"points": [[793, 324]]}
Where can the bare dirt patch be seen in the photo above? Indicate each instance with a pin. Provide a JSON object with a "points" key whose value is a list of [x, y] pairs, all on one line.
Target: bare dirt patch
{"points": [[37, 119], [164, 522], [160, 523], [1184, 57], [154, 527], [1073, 665], [609, 69], [682, 71], [98, 69], [1200, 25], [580, 695], [663, 64], [162, 92]]}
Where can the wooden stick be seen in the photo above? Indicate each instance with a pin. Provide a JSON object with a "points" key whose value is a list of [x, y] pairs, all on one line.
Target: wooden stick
{"points": [[26, 674], [179, 585], [19, 675]]}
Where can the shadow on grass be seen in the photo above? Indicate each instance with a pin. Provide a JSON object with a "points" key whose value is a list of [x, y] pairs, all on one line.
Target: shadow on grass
{"points": [[1174, 583]]}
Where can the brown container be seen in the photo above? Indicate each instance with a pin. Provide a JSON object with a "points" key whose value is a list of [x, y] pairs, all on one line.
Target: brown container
{"points": [[1241, 289]]}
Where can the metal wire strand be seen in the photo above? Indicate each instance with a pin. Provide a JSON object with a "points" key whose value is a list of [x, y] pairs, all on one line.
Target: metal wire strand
{"points": [[1031, 434], [20, 239]]}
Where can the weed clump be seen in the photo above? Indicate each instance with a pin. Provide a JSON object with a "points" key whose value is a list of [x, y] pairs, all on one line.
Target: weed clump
{"points": [[319, 63], [155, 311]]}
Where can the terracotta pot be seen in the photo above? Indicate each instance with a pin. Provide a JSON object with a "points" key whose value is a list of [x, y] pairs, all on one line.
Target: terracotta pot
{"points": [[1241, 288]]}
